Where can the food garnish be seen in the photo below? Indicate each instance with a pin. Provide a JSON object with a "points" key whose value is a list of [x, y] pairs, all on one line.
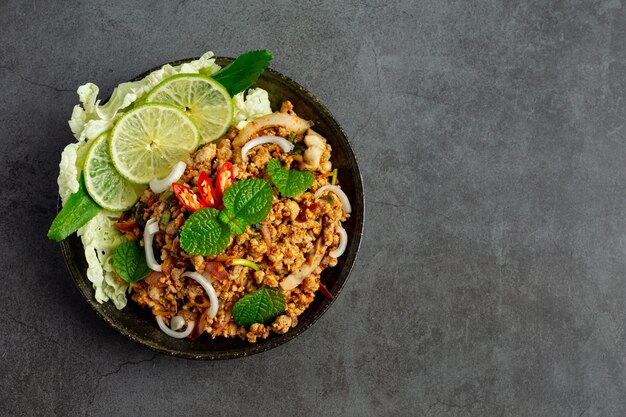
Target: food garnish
{"points": [[152, 227], [290, 183], [147, 141], [245, 262], [343, 243], [333, 180], [206, 190], [188, 198], [339, 192], [223, 180], [76, 212], [173, 333], [205, 101], [104, 183], [259, 306], [129, 261], [284, 144], [244, 71], [159, 185], [204, 234], [246, 202], [205, 283]]}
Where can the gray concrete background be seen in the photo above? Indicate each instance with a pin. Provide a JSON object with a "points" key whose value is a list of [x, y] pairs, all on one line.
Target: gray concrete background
{"points": [[492, 275]]}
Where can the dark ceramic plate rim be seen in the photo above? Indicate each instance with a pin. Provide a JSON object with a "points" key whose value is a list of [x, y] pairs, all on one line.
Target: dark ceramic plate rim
{"points": [[277, 340]]}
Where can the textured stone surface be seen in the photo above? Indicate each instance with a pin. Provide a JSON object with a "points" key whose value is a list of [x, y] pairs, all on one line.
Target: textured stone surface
{"points": [[491, 279]]}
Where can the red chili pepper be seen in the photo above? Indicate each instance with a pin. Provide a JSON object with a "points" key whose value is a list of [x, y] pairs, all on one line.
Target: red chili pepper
{"points": [[223, 180], [206, 190], [187, 197]]}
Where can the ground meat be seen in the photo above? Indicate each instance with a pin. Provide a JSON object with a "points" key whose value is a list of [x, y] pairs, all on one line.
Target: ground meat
{"points": [[280, 246]]}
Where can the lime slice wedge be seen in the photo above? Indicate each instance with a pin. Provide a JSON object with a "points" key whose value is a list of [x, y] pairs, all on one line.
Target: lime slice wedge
{"points": [[147, 141], [104, 184], [203, 99]]}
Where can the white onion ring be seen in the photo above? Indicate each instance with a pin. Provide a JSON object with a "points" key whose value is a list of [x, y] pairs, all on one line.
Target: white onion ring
{"points": [[204, 282], [151, 228], [284, 144], [160, 185], [342, 196], [177, 322], [172, 333], [343, 243]]}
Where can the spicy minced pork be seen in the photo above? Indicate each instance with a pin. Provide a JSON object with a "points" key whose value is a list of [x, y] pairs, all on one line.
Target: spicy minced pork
{"points": [[294, 240]]}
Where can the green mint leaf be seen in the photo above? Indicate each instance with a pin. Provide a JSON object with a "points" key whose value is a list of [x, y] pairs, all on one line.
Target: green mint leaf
{"points": [[77, 211], [236, 225], [290, 183], [247, 202], [203, 234], [129, 261], [244, 71], [260, 306]]}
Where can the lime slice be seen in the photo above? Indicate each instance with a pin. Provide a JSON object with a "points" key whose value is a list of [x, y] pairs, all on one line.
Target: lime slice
{"points": [[147, 141], [104, 184], [203, 99]]}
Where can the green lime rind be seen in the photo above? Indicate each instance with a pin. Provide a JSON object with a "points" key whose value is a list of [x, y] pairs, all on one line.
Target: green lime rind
{"points": [[146, 142], [104, 184], [203, 99]]}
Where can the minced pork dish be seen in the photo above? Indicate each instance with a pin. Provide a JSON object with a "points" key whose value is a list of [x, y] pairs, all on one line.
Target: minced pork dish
{"points": [[284, 254]]}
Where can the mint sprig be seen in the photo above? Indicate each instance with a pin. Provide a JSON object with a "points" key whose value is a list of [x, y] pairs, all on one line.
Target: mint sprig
{"points": [[260, 306], [207, 231], [246, 202], [129, 261], [76, 212], [290, 183], [244, 71], [203, 233]]}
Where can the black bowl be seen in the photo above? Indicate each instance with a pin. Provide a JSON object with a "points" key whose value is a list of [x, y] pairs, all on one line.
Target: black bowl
{"points": [[139, 325]]}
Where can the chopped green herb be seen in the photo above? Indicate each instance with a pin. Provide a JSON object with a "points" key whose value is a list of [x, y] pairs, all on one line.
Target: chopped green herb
{"points": [[77, 211], [245, 262], [167, 194], [129, 261], [290, 183], [298, 148], [203, 233], [260, 306], [333, 180], [165, 217], [244, 71], [328, 198], [291, 137]]}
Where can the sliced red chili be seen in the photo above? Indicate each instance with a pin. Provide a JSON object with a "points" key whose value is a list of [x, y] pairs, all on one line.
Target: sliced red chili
{"points": [[187, 197], [325, 291], [206, 190], [223, 180]]}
